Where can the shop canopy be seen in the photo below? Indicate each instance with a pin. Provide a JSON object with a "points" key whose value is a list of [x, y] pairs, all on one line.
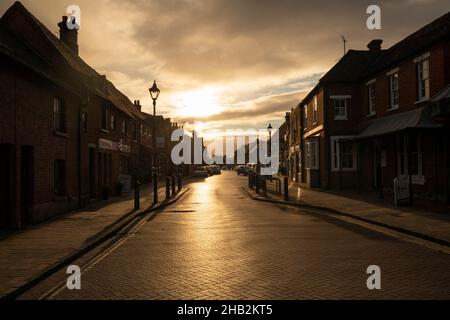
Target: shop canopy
{"points": [[417, 119]]}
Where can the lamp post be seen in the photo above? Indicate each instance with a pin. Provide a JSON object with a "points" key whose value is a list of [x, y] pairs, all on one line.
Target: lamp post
{"points": [[269, 129], [154, 93]]}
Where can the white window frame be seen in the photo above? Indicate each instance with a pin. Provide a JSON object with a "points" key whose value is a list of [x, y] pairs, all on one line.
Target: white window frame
{"points": [[336, 165], [315, 113], [392, 105], [312, 160], [305, 124], [341, 98], [420, 79], [372, 98]]}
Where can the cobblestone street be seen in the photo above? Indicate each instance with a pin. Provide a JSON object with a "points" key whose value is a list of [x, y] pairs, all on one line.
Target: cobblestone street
{"points": [[216, 243]]}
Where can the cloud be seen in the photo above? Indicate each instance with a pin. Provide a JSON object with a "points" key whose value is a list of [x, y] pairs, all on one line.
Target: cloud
{"points": [[259, 55]]}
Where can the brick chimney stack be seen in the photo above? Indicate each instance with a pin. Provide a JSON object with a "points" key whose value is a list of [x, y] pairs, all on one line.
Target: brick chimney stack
{"points": [[68, 36], [137, 104], [375, 45]]}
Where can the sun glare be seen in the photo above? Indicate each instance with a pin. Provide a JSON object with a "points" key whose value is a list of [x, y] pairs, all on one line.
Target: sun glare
{"points": [[199, 103]]}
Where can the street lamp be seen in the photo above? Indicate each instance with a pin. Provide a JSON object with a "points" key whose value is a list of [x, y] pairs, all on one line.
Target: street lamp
{"points": [[154, 93], [269, 129]]}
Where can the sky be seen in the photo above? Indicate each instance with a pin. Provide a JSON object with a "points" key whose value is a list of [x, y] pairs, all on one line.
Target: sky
{"points": [[226, 64]]}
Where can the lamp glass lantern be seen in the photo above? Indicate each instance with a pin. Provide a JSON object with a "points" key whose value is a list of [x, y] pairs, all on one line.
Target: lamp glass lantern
{"points": [[154, 91]]}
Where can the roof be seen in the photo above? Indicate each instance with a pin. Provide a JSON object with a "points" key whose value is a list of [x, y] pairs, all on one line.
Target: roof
{"points": [[416, 118], [96, 82], [356, 65], [353, 66], [424, 38]]}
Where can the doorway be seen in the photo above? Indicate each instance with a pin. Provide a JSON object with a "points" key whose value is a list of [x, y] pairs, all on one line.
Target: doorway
{"points": [[26, 185], [7, 185]]}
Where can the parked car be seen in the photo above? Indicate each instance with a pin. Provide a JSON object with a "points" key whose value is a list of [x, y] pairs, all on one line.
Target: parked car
{"points": [[200, 172], [243, 170], [209, 170], [216, 170]]}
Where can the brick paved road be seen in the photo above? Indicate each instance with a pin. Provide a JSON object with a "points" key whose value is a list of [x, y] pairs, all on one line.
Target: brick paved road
{"points": [[216, 243]]}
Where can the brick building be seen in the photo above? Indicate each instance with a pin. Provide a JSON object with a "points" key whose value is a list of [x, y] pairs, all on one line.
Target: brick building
{"points": [[380, 115], [68, 136]]}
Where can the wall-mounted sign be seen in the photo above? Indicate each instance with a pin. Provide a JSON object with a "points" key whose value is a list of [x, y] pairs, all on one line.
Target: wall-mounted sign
{"points": [[113, 146]]}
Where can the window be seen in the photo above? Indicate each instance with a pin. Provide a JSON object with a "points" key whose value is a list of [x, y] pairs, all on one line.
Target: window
{"points": [[346, 155], [343, 155], [84, 122], [393, 89], [315, 110], [113, 122], [59, 177], [104, 119], [312, 155], [423, 80], [59, 115], [372, 99], [410, 143], [305, 118], [340, 108], [124, 127]]}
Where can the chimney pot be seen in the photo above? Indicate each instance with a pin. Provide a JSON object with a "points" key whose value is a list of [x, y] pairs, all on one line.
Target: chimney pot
{"points": [[375, 45]]}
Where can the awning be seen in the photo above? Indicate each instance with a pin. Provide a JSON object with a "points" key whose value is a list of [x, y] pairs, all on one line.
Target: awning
{"points": [[417, 118], [444, 94]]}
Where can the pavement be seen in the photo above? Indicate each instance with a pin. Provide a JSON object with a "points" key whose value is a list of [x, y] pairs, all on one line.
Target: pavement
{"points": [[30, 253], [218, 243], [431, 223]]}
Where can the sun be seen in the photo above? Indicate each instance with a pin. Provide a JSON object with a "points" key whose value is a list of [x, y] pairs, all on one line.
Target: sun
{"points": [[199, 103]]}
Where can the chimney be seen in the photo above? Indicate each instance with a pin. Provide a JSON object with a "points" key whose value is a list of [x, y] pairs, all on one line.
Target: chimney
{"points": [[375, 45], [69, 36], [137, 103]]}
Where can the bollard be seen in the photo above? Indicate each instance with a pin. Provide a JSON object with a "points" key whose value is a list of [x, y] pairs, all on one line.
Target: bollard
{"points": [[155, 188], [173, 186], [250, 185], [167, 188], [257, 183], [180, 182], [286, 189], [137, 201], [265, 187]]}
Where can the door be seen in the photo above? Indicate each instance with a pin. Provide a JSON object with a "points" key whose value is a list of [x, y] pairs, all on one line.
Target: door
{"points": [[7, 190], [448, 172], [26, 185], [92, 173], [376, 163]]}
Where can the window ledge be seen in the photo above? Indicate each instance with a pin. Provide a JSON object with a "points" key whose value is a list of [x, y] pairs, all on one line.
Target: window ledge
{"points": [[60, 134], [371, 115], [340, 118], [104, 130], [393, 108], [422, 100]]}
